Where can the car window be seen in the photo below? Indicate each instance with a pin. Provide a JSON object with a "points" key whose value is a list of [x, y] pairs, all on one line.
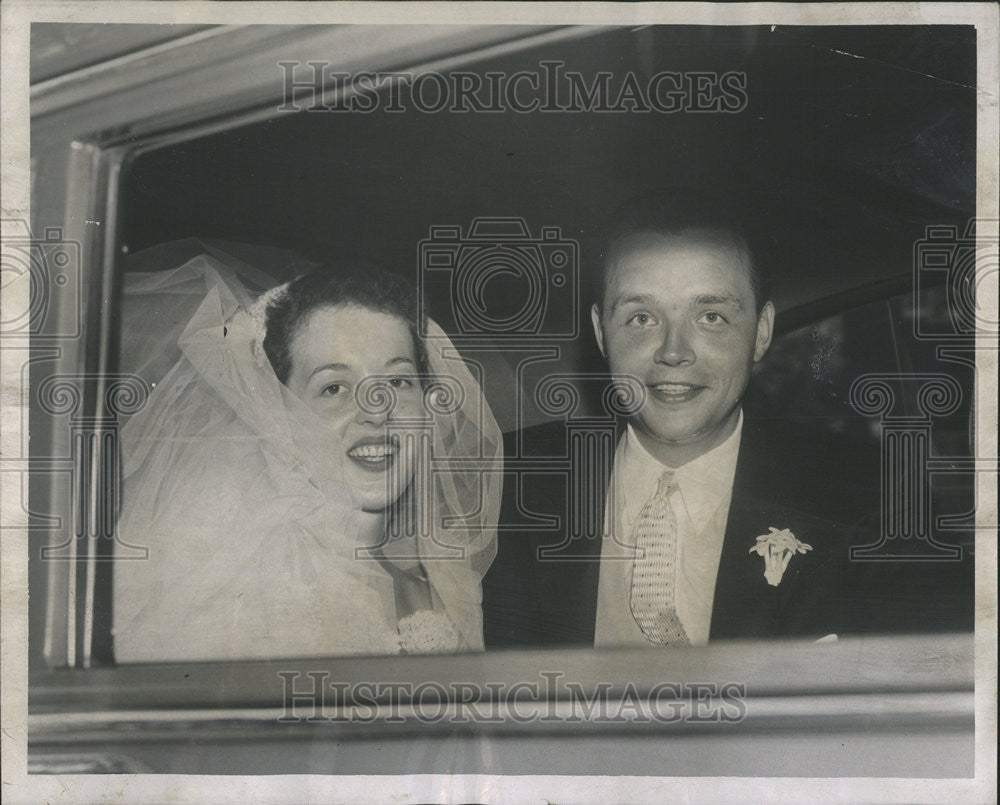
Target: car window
{"points": [[808, 372]]}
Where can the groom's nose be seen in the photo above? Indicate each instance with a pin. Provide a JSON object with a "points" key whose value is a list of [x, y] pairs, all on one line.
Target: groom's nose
{"points": [[675, 349]]}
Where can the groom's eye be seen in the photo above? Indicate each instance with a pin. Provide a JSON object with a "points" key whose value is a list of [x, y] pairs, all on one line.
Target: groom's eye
{"points": [[401, 382], [712, 318], [640, 319]]}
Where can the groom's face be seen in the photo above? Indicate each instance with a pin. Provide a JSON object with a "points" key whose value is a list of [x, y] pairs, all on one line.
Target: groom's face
{"points": [[679, 315]]}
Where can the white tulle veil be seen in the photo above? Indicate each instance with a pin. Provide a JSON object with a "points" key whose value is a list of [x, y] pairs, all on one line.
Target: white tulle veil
{"points": [[233, 486]]}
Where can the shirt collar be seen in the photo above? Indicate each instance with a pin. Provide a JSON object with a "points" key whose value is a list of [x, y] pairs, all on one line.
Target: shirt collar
{"points": [[700, 481]]}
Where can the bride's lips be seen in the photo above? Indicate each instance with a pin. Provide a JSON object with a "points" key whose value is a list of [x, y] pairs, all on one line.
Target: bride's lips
{"points": [[374, 453], [675, 393]]}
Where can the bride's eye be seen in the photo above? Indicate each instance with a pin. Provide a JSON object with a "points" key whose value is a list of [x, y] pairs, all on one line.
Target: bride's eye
{"points": [[331, 389]]}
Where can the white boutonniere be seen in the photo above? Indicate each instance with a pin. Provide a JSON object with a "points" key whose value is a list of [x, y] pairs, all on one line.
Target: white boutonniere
{"points": [[778, 547]]}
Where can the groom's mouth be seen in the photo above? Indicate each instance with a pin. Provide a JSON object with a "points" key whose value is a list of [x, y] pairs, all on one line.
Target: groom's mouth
{"points": [[374, 454], [674, 393]]}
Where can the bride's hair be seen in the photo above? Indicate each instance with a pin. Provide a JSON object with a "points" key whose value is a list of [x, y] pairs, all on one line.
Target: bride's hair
{"points": [[369, 287]]}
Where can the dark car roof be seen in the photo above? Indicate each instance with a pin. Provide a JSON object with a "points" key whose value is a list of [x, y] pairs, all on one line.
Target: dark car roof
{"points": [[852, 141]]}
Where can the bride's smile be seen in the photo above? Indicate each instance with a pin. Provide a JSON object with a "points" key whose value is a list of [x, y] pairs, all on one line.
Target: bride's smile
{"points": [[375, 454]]}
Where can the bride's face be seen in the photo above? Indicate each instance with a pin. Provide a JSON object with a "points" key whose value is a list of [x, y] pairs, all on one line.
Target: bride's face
{"points": [[356, 369]]}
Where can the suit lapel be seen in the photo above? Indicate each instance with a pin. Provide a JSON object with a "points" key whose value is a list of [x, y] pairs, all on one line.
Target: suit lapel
{"points": [[744, 604], [566, 582]]}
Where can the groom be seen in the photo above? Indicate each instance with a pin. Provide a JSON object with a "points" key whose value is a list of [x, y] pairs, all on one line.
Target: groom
{"points": [[703, 524]]}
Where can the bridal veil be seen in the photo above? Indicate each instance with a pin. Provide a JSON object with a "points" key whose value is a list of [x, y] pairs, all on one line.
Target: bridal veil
{"points": [[234, 511]]}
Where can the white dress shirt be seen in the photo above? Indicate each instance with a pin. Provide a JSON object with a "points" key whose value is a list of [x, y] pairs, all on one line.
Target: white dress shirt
{"points": [[701, 506]]}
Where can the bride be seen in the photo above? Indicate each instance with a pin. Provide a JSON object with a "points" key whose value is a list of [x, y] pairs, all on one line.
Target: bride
{"points": [[317, 474]]}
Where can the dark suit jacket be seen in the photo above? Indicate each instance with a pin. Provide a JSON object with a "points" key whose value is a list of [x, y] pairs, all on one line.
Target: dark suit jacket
{"points": [[785, 478]]}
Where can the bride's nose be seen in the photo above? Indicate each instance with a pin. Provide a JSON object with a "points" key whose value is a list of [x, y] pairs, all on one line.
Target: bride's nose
{"points": [[377, 419], [374, 402]]}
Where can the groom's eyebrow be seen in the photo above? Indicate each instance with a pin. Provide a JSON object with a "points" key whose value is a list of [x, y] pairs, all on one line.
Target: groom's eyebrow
{"points": [[632, 299], [722, 298]]}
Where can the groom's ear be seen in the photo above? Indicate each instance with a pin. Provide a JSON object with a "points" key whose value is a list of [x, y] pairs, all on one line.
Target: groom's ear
{"points": [[595, 318], [765, 330]]}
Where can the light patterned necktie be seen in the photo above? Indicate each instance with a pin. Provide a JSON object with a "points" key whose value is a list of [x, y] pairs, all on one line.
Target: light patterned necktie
{"points": [[652, 596]]}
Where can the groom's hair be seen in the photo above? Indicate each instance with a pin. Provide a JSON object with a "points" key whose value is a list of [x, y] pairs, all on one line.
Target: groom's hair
{"points": [[680, 211], [366, 286]]}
